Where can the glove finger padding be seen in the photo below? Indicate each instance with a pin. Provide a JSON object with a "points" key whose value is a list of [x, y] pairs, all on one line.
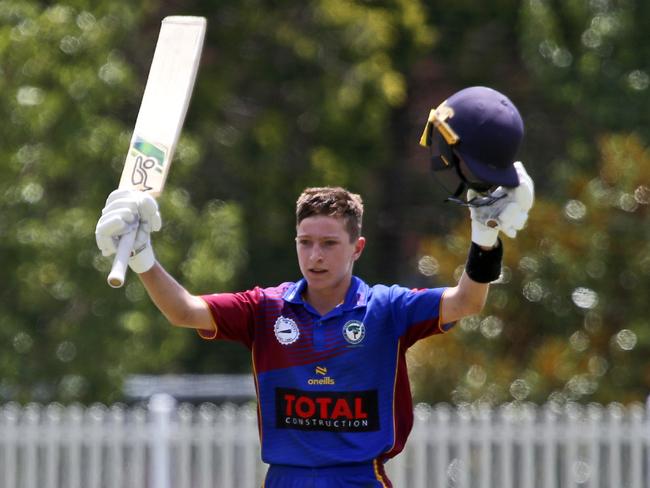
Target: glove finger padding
{"points": [[116, 222], [122, 204], [525, 192], [142, 256], [108, 235], [508, 214], [137, 202], [511, 217], [111, 226], [121, 194], [149, 214], [106, 245], [126, 211]]}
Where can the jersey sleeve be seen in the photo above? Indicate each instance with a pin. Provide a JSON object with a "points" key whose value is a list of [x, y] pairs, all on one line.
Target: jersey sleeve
{"points": [[234, 316], [417, 312]]}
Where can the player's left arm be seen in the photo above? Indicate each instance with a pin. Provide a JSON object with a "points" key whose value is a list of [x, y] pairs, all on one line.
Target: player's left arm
{"points": [[508, 215], [467, 298]]}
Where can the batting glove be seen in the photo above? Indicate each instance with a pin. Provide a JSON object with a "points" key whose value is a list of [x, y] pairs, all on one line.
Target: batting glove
{"points": [[508, 214], [126, 211]]}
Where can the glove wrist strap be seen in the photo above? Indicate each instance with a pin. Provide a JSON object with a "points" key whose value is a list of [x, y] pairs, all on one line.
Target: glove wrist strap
{"points": [[484, 266], [142, 259]]}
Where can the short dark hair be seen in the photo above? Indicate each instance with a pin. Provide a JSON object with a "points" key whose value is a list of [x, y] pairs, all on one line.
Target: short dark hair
{"points": [[332, 202]]}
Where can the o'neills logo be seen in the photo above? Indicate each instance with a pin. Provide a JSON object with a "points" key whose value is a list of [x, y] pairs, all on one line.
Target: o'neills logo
{"points": [[334, 411], [325, 380]]}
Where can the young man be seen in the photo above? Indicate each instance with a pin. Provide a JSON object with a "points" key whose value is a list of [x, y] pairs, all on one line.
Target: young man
{"points": [[328, 350]]}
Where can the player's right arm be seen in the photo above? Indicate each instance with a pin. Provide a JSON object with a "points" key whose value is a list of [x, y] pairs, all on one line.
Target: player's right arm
{"points": [[125, 209], [179, 306]]}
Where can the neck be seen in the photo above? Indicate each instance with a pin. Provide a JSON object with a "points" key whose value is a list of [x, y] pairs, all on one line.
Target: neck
{"points": [[324, 301]]}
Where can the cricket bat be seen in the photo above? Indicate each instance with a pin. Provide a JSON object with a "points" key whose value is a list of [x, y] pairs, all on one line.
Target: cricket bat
{"points": [[160, 119]]}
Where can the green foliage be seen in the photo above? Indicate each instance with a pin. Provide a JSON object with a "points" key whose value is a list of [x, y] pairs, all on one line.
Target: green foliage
{"points": [[71, 87], [591, 57], [296, 94], [286, 97], [63, 79], [568, 319]]}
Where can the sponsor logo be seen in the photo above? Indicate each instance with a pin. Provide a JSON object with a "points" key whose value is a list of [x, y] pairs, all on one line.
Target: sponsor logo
{"points": [[354, 331], [333, 411], [325, 380], [286, 331], [148, 161]]}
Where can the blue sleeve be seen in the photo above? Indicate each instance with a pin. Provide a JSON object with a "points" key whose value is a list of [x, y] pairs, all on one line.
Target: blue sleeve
{"points": [[416, 312]]}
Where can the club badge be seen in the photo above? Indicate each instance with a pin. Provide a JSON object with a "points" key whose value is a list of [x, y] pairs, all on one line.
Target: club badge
{"points": [[354, 331], [286, 331]]}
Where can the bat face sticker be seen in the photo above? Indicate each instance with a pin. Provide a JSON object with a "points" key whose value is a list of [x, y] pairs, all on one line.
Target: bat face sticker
{"points": [[139, 175], [147, 162]]}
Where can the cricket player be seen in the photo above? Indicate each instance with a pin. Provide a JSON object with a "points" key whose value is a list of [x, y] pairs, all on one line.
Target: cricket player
{"points": [[328, 350]]}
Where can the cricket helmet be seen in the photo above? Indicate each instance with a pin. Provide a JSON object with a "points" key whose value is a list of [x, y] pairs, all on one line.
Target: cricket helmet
{"points": [[474, 138]]}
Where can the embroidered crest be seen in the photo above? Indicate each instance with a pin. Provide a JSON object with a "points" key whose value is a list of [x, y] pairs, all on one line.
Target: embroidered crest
{"points": [[354, 331]]}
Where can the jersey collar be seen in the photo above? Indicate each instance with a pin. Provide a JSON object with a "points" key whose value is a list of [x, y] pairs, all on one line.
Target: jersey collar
{"points": [[355, 297]]}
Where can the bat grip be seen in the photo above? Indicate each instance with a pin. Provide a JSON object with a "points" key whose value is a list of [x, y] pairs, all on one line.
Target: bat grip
{"points": [[121, 260]]}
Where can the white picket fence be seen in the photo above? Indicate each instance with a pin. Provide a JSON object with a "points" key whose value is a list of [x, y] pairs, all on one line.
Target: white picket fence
{"points": [[166, 445]]}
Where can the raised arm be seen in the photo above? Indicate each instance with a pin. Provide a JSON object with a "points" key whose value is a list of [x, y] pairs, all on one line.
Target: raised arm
{"points": [[181, 308], [467, 298], [507, 214]]}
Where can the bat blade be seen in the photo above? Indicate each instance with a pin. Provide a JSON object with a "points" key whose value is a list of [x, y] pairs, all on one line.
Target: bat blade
{"points": [[161, 116]]}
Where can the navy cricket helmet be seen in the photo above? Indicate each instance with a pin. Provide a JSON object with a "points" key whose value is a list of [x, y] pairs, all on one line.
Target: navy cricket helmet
{"points": [[474, 138]]}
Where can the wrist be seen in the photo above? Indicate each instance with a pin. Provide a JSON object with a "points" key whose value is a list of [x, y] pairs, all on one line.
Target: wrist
{"points": [[484, 265]]}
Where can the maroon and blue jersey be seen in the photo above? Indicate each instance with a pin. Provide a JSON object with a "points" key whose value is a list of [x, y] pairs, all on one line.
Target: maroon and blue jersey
{"points": [[332, 389]]}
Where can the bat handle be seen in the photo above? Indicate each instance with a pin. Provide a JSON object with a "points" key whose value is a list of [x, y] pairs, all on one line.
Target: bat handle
{"points": [[121, 260]]}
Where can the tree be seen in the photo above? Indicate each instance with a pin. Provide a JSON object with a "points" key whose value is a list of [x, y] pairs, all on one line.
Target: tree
{"points": [[567, 321], [287, 96], [70, 96]]}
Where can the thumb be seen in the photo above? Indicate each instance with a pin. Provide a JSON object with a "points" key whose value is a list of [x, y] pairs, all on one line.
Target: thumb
{"points": [[524, 193], [510, 232]]}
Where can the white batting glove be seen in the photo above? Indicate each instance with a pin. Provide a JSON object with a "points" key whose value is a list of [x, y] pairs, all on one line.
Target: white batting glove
{"points": [[508, 214], [125, 211]]}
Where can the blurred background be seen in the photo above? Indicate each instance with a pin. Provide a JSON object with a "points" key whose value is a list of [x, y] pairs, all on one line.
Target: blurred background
{"points": [[328, 92]]}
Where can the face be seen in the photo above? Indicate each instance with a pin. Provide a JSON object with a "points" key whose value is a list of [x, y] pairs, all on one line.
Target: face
{"points": [[325, 253]]}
